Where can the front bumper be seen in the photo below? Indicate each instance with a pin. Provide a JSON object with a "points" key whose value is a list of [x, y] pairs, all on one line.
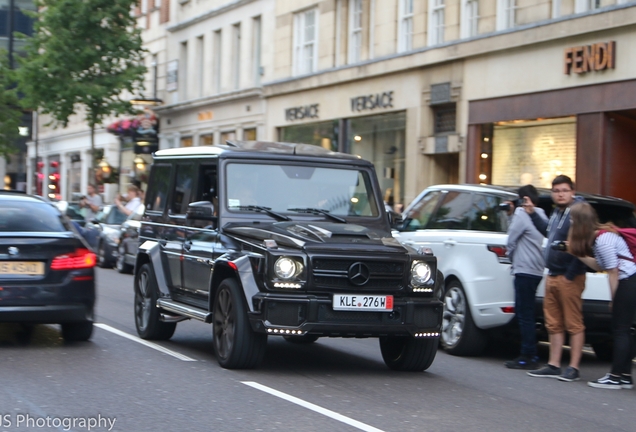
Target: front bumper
{"points": [[309, 314]]}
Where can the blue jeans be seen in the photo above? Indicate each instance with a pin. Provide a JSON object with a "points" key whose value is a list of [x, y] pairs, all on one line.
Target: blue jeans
{"points": [[525, 292]]}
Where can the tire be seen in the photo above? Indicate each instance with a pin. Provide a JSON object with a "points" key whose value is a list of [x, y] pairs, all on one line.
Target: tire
{"points": [[301, 340], [604, 350], [460, 336], [101, 256], [75, 332], [236, 345], [121, 265], [407, 353], [146, 312]]}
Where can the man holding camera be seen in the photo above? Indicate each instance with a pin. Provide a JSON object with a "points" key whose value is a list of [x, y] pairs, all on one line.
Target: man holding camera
{"points": [[524, 247], [91, 203], [564, 285]]}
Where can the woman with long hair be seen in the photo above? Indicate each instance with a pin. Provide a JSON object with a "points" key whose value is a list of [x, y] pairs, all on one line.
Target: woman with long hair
{"points": [[601, 247]]}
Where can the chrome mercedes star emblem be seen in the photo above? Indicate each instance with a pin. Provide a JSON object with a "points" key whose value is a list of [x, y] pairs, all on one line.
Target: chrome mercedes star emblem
{"points": [[358, 273], [13, 250]]}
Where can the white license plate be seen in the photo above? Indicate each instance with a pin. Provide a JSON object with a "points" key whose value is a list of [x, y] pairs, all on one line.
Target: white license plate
{"points": [[358, 302], [21, 268]]}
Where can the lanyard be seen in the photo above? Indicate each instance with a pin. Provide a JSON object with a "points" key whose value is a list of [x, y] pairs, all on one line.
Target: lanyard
{"points": [[561, 220]]}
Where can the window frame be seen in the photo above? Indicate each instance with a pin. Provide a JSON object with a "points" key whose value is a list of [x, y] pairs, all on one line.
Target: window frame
{"points": [[469, 18], [356, 15], [436, 23], [405, 25], [300, 44]]}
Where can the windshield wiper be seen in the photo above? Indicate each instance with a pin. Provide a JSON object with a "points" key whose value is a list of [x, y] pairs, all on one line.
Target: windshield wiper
{"points": [[318, 211], [267, 210]]}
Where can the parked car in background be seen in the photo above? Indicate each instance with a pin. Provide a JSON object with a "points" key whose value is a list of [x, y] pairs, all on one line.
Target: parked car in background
{"points": [[46, 270], [129, 241], [102, 234], [465, 226], [71, 209]]}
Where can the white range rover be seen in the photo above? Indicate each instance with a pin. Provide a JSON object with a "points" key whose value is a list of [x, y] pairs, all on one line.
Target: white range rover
{"points": [[465, 227]]}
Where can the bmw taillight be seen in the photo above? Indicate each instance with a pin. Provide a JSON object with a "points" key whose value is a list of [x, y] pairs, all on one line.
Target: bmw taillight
{"points": [[81, 258], [500, 251]]}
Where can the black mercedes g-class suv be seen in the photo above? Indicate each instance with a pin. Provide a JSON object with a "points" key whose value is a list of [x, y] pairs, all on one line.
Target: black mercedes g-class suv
{"points": [[277, 239]]}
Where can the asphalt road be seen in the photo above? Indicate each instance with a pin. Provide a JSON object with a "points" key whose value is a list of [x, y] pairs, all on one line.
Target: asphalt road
{"points": [[115, 382]]}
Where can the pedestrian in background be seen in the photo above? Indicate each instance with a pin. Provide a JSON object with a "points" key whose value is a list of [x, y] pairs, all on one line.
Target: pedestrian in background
{"points": [[133, 201], [602, 248], [564, 285], [524, 247], [91, 203]]}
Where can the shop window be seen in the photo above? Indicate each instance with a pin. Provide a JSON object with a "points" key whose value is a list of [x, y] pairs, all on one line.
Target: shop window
{"points": [[207, 139], [228, 136], [355, 30], [445, 118], [305, 55], [186, 141], [323, 134], [249, 134], [405, 25], [469, 18], [436, 22]]}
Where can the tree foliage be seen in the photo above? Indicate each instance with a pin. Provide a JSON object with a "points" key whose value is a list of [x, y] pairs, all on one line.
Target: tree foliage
{"points": [[10, 112], [84, 54]]}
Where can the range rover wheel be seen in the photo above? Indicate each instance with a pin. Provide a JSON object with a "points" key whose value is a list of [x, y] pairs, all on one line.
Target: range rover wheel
{"points": [[101, 256], [81, 331], [121, 265], [301, 340], [236, 345], [460, 336], [408, 353], [146, 312]]}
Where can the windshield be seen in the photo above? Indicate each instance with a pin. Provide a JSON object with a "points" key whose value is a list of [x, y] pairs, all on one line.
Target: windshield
{"points": [[287, 188], [30, 217]]}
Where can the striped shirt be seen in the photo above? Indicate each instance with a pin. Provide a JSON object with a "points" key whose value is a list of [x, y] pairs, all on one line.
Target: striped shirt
{"points": [[607, 249]]}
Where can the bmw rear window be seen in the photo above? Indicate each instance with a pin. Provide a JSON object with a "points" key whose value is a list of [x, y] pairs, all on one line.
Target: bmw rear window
{"points": [[24, 216]]}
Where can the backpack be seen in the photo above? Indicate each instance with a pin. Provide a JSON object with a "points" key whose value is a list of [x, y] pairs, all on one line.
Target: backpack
{"points": [[629, 235]]}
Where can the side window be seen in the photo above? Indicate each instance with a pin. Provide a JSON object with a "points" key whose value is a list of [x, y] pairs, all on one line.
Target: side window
{"points": [[422, 210], [158, 188], [207, 190], [486, 215], [182, 189], [454, 212]]}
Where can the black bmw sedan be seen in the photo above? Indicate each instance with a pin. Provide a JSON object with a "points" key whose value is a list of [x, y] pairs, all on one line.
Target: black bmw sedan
{"points": [[46, 269]]}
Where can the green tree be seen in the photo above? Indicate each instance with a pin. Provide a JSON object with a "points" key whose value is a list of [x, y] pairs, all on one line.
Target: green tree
{"points": [[84, 57], [10, 111]]}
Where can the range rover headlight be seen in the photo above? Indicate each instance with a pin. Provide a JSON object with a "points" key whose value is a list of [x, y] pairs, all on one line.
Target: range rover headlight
{"points": [[287, 268], [420, 273]]}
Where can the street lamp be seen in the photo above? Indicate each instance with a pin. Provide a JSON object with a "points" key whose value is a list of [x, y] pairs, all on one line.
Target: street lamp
{"points": [[105, 168]]}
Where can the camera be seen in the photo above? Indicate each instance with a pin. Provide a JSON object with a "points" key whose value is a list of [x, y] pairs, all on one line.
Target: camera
{"points": [[559, 245], [505, 206]]}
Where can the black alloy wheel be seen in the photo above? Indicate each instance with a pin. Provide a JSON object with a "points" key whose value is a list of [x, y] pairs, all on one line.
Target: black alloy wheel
{"points": [[236, 345], [146, 312]]}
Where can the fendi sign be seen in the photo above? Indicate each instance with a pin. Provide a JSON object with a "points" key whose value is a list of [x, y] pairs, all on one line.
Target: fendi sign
{"points": [[589, 58]]}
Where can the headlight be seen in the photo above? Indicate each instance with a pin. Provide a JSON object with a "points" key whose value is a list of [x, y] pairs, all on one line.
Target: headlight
{"points": [[420, 273], [287, 268]]}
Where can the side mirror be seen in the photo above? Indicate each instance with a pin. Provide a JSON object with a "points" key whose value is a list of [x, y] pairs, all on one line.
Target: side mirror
{"points": [[201, 210], [395, 220]]}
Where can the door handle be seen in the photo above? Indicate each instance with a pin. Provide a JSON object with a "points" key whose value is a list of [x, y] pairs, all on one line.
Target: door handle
{"points": [[450, 242], [187, 245]]}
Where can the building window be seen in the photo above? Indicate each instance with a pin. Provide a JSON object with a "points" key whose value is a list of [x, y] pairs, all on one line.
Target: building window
{"points": [[227, 135], [236, 55], [249, 134], [200, 65], [355, 30], [144, 6], [207, 139], [506, 13], [469, 18], [183, 62], [186, 141], [217, 61], [405, 25], [436, 22], [305, 42], [256, 49], [444, 119]]}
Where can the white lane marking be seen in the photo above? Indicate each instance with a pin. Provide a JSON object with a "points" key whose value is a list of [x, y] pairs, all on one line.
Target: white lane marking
{"points": [[320, 410], [143, 342]]}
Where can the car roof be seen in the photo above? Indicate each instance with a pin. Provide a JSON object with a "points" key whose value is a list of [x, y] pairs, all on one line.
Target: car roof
{"points": [[15, 195], [259, 149]]}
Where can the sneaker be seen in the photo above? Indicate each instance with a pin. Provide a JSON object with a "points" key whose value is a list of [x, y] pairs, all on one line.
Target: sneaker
{"points": [[547, 371], [570, 374], [610, 382], [626, 382], [522, 362]]}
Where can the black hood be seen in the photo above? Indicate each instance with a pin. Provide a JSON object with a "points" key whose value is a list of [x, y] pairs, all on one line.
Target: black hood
{"points": [[317, 235]]}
